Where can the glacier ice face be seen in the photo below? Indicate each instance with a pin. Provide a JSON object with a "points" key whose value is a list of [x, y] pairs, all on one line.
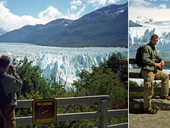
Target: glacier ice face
{"points": [[141, 35], [64, 64]]}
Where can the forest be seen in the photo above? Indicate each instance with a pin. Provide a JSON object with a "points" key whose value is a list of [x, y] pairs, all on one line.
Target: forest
{"points": [[109, 78]]}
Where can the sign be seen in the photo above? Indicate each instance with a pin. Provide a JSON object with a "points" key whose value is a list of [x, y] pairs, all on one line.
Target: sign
{"points": [[44, 111]]}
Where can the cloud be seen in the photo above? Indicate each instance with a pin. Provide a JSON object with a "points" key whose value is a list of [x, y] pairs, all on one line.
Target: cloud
{"points": [[78, 7], [145, 9], [50, 13], [134, 3], [10, 21], [162, 6], [99, 3], [76, 15], [111, 1], [75, 4], [158, 14]]}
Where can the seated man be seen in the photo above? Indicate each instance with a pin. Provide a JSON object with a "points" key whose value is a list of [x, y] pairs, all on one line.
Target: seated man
{"points": [[151, 69]]}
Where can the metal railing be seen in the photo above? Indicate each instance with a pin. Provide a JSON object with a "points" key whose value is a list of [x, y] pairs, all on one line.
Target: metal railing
{"points": [[103, 114]]}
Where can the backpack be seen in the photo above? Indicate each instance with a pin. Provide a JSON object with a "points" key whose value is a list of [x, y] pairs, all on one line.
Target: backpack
{"points": [[3, 98], [139, 55]]}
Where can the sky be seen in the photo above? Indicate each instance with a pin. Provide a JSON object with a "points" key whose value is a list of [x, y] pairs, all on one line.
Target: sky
{"points": [[158, 10], [15, 14]]}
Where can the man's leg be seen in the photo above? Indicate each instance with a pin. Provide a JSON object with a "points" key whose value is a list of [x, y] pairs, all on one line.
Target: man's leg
{"points": [[165, 82], [148, 89], [9, 116]]}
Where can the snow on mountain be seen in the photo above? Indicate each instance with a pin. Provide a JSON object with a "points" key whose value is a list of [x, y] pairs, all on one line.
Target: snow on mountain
{"points": [[62, 63], [148, 22], [143, 20], [133, 24]]}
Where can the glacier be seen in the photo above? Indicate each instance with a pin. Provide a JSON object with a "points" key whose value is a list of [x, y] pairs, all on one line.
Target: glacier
{"points": [[141, 35], [62, 63]]}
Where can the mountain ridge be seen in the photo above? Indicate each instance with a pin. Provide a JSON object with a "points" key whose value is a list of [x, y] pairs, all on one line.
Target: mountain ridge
{"points": [[105, 27]]}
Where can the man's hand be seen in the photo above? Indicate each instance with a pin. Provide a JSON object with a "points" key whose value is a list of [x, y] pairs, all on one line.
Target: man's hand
{"points": [[158, 65], [163, 63]]}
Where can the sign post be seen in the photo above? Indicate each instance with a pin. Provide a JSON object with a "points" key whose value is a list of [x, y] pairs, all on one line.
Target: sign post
{"points": [[44, 111]]}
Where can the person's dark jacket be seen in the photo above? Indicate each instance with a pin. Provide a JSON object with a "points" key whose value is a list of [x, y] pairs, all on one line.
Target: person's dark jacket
{"points": [[11, 84]]}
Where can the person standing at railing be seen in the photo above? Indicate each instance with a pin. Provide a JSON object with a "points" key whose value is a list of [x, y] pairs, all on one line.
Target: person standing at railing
{"points": [[10, 82], [152, 66]]}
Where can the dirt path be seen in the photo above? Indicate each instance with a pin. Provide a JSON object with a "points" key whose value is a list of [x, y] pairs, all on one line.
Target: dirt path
{"points": [[159, 120]]}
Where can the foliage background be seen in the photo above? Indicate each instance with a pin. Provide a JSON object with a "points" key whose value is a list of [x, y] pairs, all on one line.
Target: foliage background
{"points": [[109, 78]]}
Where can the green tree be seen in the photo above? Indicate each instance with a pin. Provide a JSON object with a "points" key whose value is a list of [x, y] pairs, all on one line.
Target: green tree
{"points": [[34, 85], [106, 79], [110, 78]]}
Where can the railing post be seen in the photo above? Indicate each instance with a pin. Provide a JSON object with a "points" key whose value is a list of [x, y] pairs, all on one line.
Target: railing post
{"points": [[104, 111]]}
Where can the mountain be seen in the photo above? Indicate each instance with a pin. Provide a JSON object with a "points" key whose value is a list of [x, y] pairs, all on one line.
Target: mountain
{"points": [[107, 27], [133, 24], [37, 33], [2, 31]]}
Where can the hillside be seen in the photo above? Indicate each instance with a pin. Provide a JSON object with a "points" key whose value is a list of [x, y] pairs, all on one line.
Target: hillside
{"points": [[105, 27], [133, 24]]}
